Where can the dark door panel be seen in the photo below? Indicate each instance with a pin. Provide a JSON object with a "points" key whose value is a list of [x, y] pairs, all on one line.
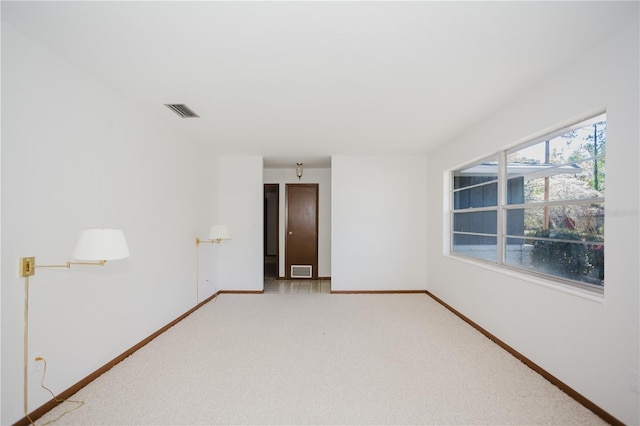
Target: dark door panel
{"points": [[302, 227]]}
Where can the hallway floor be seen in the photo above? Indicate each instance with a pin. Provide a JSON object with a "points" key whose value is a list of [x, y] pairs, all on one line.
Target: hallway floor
{"points": [[272, 285]]}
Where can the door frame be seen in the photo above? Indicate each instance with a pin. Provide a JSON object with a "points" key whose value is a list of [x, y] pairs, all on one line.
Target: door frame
{"points": [[287, 271], [264, 243]]}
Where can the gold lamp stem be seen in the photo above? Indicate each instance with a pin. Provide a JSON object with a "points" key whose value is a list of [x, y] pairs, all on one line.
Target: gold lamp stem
{"points": [[26, 345]]}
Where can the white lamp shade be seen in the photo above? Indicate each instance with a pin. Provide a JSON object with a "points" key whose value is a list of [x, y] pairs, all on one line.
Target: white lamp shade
{"points": [[101, 244], [219, 232]]}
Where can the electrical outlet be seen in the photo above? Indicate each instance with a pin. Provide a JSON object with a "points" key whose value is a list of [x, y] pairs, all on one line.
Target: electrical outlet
{"points": [[635, 382], [36, 366]]}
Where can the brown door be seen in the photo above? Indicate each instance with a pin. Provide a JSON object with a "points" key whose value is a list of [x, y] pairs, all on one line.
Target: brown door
{"points": [[301, 247]]}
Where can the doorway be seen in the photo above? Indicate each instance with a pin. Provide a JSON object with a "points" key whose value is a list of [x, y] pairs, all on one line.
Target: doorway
{"points": [[271, 230], [301, 233]]}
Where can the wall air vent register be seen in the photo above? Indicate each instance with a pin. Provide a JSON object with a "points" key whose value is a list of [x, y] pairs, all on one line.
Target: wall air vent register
{"points": [[301, 271]]}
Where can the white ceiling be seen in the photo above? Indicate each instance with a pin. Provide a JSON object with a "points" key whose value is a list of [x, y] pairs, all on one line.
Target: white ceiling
{"points": [[301, 81]]}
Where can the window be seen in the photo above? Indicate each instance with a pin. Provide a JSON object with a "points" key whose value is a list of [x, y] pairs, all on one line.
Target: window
{"points": [[538, 207]]}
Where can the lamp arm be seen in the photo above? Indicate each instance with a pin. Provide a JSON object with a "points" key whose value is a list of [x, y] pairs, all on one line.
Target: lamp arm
{"points": [[216, 241], [28, 265], [52, 266], [69, 263], [96, 263]]}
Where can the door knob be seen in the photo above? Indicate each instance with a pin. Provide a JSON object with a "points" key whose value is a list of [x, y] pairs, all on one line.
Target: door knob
{"points": [[290, 232]]}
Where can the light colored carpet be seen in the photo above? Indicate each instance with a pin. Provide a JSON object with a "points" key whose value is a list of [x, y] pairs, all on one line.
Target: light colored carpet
{"points": [[322, 359]]}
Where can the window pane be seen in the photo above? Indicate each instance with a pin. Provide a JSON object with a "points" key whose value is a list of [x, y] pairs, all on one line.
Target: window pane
{"points": [[550, 249], [585, 221], [479, 173], [481, 247], [567, 167], [561, 186], [478, 196], [573, 261], [575, 145], [477, 222]]}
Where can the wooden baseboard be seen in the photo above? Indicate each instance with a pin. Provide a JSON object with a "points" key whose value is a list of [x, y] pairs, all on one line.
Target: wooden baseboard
{"points": [[535, 367], [241, 291], [66, 394], [376, 291]]}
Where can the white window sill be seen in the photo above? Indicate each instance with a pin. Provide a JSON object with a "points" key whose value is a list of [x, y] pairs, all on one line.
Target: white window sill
{"points": [[522, 276]]}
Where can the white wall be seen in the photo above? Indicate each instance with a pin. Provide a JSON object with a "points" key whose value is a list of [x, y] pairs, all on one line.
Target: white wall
{"points": [[240, 206], [590, 345], [208, 255], [379, 217], [76, 154], [323, 178]]}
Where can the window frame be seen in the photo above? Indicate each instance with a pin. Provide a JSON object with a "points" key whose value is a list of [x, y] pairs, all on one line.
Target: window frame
{"points": [[502, 207], [453, 212]]}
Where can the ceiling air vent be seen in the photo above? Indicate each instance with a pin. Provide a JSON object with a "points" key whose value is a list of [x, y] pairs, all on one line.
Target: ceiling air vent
{"points": [[182, 110]]}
